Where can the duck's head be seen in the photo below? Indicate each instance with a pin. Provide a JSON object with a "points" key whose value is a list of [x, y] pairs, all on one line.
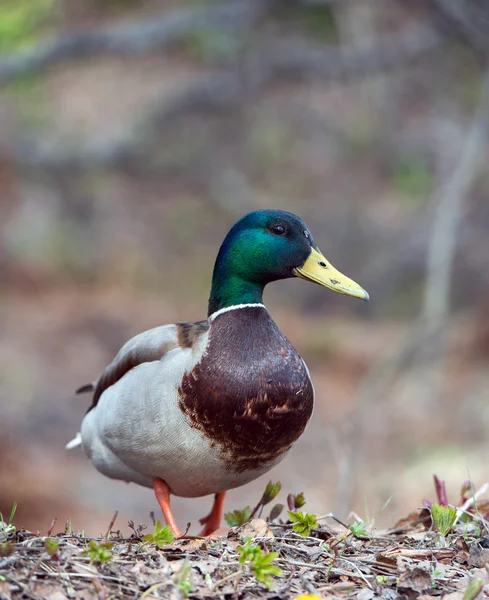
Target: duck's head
{"points": [[267, 245]]}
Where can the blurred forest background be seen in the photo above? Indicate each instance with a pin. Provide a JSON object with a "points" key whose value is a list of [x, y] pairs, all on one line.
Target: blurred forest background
{"points": [[134, 133]]}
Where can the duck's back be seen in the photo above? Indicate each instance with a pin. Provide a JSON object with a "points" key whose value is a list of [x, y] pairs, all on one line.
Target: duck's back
{"points": [[211, 408]]}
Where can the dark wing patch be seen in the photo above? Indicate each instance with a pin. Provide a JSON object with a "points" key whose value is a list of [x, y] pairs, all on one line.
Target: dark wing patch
{"points": [[149, 346], [118, 369], [188, 333]]}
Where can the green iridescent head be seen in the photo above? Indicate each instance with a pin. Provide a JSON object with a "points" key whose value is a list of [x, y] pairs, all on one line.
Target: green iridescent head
{"points": [[264, 246]]}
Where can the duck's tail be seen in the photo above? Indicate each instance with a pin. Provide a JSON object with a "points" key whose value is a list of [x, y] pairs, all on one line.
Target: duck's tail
{"points": [[75, 442]]}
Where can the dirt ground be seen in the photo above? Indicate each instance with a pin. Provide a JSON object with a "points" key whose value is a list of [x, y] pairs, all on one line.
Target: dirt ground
{"points": [[407, 561]]}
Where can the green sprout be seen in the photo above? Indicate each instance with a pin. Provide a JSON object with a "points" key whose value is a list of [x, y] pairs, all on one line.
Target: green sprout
{"points": [[238, 517], [182, 580], [359, 530], [51, 547], [8, 527], [444, 518], [303, 523], [259, 563], [270, 493], [99, 552], [296, 501], [161, 536], [381, 579]]}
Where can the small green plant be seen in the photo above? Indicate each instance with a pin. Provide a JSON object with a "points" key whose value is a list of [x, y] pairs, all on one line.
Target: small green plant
{"points": [[359, 530], [259, 563], [51, 547], [299, 500], [302, 522], [381, 579], [99, 552], [161, 536], [238, 517], [294, 502], [8, 527], [271, 492], [444, 518], [182, 581]]}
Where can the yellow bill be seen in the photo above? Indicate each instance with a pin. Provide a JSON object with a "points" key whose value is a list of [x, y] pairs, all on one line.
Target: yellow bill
{"points": [[318, 269]]}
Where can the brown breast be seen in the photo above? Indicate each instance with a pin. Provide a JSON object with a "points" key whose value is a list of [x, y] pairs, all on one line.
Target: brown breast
{"points": [[251, 393]]}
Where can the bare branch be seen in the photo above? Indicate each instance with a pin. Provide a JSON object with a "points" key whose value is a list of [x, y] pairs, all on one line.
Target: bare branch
{"points": [[449, 200], [141, 36], [422, 338], [468, 19], [226, 89], [332, 62]]}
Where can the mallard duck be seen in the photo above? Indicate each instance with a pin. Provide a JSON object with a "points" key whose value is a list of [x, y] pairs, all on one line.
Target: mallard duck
{"points": [[193, 409]]}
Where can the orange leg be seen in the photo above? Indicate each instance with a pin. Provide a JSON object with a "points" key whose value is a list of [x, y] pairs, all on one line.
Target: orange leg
{"points": [[162, 493], [213, 520]]}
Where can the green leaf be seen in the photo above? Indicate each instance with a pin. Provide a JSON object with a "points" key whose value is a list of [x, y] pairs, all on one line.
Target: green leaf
{"points": [[299, 500], [271, 492], [99, 552], [359, 530], [162, 535], [259, 562], [238, 517], [303, 522], [444, 518], [51, 546], [182, 581], [12, 513]]}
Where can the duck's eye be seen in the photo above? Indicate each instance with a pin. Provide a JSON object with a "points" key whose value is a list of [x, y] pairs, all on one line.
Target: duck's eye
{"points": [[278, 229]]}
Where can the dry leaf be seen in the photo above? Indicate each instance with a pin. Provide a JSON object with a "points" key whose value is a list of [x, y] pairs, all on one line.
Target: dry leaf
{"points": [[414, 520], [478, 557], [416, 579], [387, 562], [48, 592], [255, 528], [365, 594]]}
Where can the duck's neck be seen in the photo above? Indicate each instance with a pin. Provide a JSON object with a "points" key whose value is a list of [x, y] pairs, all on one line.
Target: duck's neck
{"points": [[241, 271], [229, 290]]}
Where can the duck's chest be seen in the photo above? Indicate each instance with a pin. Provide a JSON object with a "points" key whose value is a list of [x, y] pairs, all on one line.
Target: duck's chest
{"points": [[250, 394]]}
